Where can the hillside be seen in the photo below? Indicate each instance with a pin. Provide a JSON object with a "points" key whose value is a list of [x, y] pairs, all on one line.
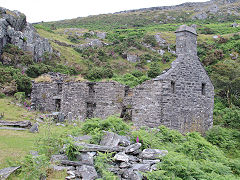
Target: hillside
{"points": [[129, 47]]}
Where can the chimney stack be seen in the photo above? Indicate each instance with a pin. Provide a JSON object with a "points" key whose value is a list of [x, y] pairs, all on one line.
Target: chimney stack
{"points": [[186, 40]]}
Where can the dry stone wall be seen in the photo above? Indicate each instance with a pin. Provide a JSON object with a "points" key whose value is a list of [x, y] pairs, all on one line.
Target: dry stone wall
{"points": [[43, 96], [146, 107], [74, 99]]}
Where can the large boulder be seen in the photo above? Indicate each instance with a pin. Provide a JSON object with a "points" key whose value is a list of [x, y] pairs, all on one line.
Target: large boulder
{"points": [[132, 58], [133, 148], [153, 153], [86, 172], [15, 30]]}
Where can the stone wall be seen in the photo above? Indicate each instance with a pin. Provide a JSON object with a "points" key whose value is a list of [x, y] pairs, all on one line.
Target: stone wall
{"points": [[108, 97], [187, 97], [74, 99], [146, 104], [42, 96], [79, 100]]}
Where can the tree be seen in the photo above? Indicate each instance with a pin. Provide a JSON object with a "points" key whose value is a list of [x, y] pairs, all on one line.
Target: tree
{"points": [[226, 79]]}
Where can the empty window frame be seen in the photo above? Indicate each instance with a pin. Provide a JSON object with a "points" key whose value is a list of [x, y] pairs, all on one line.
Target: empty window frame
{"points": [[173, 87], [203, 88]]}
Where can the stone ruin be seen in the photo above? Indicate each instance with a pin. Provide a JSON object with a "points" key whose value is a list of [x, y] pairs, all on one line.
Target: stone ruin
{"points": [[181, 98]]}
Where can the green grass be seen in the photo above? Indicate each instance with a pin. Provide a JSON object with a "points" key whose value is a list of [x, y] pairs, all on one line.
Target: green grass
{"points": [[14, 145], [13, 112]]}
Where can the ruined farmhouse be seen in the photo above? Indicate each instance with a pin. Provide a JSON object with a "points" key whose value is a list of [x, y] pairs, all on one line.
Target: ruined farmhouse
{"points": [[181, 98]]}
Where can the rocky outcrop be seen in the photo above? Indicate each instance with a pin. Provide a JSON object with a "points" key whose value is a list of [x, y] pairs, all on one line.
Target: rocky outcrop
{"points": [[14, 29]]}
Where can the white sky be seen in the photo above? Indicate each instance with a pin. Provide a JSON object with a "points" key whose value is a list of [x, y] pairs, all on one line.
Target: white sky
{"points": [[52, 10]]}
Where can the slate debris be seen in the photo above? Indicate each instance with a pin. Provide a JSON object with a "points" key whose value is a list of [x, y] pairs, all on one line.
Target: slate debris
{"points": [[128, 162]]}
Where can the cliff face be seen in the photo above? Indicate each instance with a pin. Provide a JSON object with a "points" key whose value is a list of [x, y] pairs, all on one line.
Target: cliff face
{"points": [[14, 29]]}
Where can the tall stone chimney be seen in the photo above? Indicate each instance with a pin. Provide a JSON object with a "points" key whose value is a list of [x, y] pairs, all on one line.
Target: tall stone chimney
{"points": [[186, 40]]}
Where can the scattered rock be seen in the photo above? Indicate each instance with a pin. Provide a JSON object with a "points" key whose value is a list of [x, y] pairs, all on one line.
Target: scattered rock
{"points": [[21, 124], [124, 141], [121, 156], [200, 16], [82, 138], [101, 35], [153, 153], [95, 43], [87, 172], [60, 124], [34, 128], [15, 129], [132, 58], [95, 148], [160, 40], [235, 25], [132, 175], [133, 158], [86, 158], [71, 163], [141, 167], [154, 167], [161, 52], [133, 147], [4, 173], [61, 168], [125, 165], [58, 157], [151, 162], [110, 139]]}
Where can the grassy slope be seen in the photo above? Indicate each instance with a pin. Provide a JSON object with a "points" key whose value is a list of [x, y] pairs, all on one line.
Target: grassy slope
{"points": [[14, 145]]}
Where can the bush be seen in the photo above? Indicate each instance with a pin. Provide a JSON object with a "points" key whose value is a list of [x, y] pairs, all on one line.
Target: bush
{"points": [[127, 79], [226, 139], [102, 163], [150, 39], [227, 117], [34, 167], [20, 97], [72, 151], [2, 95], [97, 73], [95, 126], [154, 70]]}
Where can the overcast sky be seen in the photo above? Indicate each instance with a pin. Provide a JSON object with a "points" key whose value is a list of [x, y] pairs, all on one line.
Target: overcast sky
{"points": [[52, 10]]}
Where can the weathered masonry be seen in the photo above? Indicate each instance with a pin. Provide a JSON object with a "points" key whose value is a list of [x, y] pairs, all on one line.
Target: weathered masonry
{"points": [[181, 98]]}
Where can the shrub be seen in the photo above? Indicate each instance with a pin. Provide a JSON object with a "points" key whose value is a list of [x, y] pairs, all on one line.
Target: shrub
{"points": [[227, 117], [95, 126], [127, 79], [51, 141], [137, 73], [150, 39], [97, 73], [36, 70], [226, 139], [2, 95], [23, 83], [34, 167], [102, 163], [72, 150], [20, 96], [154, 70]]}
